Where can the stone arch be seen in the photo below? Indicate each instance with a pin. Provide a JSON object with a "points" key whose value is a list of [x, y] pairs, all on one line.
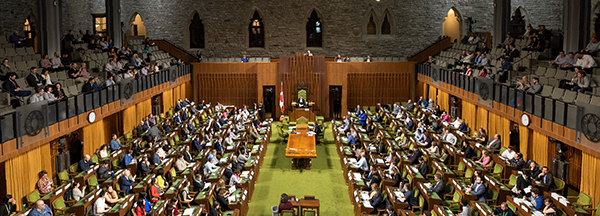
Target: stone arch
{"points": [[195, 30], [524, 13], [133, 20], [453, 24], [257, 40], [322, 28], [32, 21], [372, 24], [387, 16]]}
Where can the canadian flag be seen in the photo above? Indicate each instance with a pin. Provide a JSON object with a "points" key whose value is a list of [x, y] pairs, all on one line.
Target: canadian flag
{"points": [[281, 98]]}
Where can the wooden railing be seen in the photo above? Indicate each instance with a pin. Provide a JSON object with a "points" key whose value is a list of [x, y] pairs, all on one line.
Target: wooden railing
{"points": [[179, 53], [432, 50]]}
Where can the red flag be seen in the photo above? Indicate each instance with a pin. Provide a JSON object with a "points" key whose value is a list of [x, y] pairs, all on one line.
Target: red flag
{"points": [[281, 104]]}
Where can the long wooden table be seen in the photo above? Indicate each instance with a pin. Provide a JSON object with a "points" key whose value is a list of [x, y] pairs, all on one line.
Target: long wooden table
{"points": [[301, 148]]}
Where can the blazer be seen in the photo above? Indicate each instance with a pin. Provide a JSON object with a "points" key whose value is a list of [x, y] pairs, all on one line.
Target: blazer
{"points": [[410, 198], [479, 190], [522, 183], [377, 202], [87, 87], [351, 140], [198, 186], [143, 169], [83, 165], [438, 187], [187, 156], [414, 158], [10, 86], [494, 144], [126, 184], [423, 169], [468, 151], [301, 102], [177, 107], [462, 127], [103, 173], [34, 79], [548, 181], [156, 159]]}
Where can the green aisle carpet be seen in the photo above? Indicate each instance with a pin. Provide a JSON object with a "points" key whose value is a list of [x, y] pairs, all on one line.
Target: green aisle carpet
{"points": [[325, 180]]}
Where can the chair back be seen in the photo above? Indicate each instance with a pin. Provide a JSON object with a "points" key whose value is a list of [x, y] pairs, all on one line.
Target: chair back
{"points": [[59, 204], [287, 213], [309, 212], [33, 196], [584, 199], [301, 120], [92, 181], [302, 93], [63, 176], [559, 183], [73, 168]]}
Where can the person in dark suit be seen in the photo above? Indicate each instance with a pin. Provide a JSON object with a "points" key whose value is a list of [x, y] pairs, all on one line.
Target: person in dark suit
{"points": [[178, 106], [368, 176], [466, 149], [89, 86], [262, 111], [223, 121], [140, 128], [478, 189], [156, 159], [217, 125], [198, 143], [523, 181], [127, 182], [228, 171], [85, 163], [423, 169], [317, 130], [439, 185], [390, 211], [144, 167], [11, 85], [546, 179], [217, 145], [214, 211], [462, 127], [34, 79], [414, 156], [376, 200], [187, 156], [301, 102], [534, 169], [409, 197], [75, 149], [104, 171], [198, 183]]}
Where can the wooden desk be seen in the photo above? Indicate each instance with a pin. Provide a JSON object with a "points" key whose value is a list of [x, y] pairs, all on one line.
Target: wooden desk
{"points": [[415, 176], [121, 208], [507, 169], [500, 188], [566, 208], [301, 148], [458, 187], [310, 204], [83, 176], [203, 197], [80, 208], [405, 212], [302, 112], [174, 189], [432, 198], [55, 194], [143, 185], [443, 170], [519, 209], [393, 198], [441, 210], [482, 208], [159, 208]]}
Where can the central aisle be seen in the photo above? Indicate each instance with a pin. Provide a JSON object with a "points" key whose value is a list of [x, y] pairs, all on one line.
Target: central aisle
{"points": [[325, 180]]}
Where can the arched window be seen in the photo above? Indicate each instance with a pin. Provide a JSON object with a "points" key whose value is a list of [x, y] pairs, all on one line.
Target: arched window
{"points": [[137, 26], [371, 27], [197, 32], [314, 31], [256, 31], [28, 30], [517, 24], [385, 26]]}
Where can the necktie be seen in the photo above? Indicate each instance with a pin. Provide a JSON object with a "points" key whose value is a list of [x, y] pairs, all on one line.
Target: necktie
{"points": [[544, 179]]}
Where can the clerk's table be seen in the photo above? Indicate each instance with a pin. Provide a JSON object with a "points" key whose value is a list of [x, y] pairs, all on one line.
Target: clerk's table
{"points": [[301, 147]]}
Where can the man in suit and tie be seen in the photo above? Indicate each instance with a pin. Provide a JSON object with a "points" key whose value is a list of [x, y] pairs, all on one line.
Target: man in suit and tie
{"points": [[409, 197], [439, 185], [34, 79], [198, 143], [187, 156], [390, 211], [156, 158], [127, 182], [301, 103], [11, 85], [495, 143], [466, 149], [178, 106], [198, 183], [414, 155], [546, 179], [478, 189], [177, 119], [368, 176], [89, 86], [217, 124], [141, 129], [423, 169]]}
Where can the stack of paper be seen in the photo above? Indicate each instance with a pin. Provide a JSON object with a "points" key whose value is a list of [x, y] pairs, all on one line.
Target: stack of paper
{"points": [[189, 211]]}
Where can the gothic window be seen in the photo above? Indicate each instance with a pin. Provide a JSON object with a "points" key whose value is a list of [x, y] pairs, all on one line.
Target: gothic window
{"points": [[371, 28], [385, 26], [517, 24], [314, 31], [256, 31], [197, 32]]}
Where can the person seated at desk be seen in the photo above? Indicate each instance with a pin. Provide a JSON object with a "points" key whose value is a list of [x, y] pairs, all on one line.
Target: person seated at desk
{"points": [[445, 117], [546, 179], [112, 198], [419, 136], [481, 136], [504, 210], [434, 149], [181, 164], [409, 123], [409, 197], [9, 207], [495, 143], [198, 184], [485, 159], [414, 155], [534, 169], [523, 182], [517, 161], [465, 209], [376, 200], [395, 176], [509, 153], [549, 207], [409, 105], [362, 118], [285, 204], [127, 182], [210, 167], [422, 167], [172, 209], [143, 168], [114, 143], [390, 211], [444, 156], [456, 122], [223, 201], [155, 190], [301, 102], [449, 137], [466, 150], [127, 159], [104, 171], [85, 163], [478, 189], [426, 141], [44, 184], [351, 140], [41, 209], [377, 118], [537, 199], [439, 185], [100, 204], [362, 163], [140, 209], [185, 192]]}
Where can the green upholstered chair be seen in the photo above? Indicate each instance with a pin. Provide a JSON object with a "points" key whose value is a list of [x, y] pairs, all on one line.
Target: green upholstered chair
{"points": [[63, 177], [33, 197], [492, 197], [420, 207], [498, 171], [94, 158], [173, 174], [287, 213], [309, 212], [560, 185], [453, 204], [73, 169], [302, 120], [582, 199], [59, 206], [92, 181], [512, 181], [302, 93], [128, 136]]}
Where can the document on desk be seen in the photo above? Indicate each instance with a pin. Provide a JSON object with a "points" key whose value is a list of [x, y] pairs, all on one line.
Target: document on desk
{"points": [[364, 196], [527, 190], [189, 211], [367, 204], [352, 160], [357, 176]]}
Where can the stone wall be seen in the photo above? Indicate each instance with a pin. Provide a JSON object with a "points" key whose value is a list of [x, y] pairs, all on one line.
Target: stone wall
{"points": [[77, 14], [540, 12], [14, 13]]}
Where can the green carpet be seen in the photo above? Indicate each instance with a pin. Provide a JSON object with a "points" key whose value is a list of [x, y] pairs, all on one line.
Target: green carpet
{"points": [[325, 179]]}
